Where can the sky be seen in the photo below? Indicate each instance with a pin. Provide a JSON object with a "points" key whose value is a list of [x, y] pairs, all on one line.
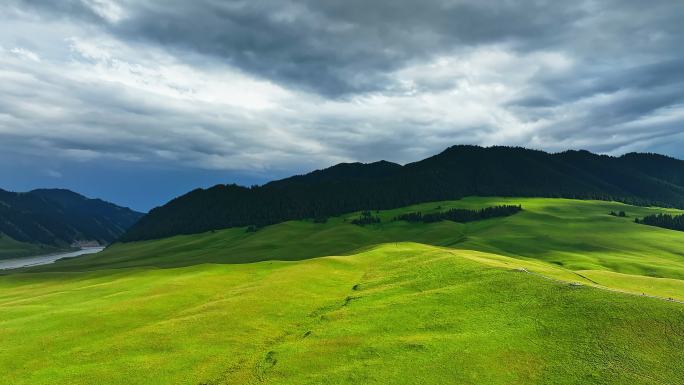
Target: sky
{"points": [[137, 102]]}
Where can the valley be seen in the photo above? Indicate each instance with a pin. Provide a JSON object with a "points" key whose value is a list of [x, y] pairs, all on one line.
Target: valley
{"points": [[299, 192], [44, 259], [559, 292], [46, 221]]}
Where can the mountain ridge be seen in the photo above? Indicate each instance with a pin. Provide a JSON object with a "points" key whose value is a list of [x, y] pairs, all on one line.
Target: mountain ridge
{"points": [[60, 217], [456, 172]]}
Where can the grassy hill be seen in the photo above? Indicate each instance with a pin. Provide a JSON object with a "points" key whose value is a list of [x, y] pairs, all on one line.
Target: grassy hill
{"points": [[559, 293], [10, 248], [400, 313], [579, 236], [457, 172]]}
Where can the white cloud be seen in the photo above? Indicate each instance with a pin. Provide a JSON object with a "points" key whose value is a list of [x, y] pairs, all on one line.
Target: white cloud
{"points": [[156, 72], [94, 96], [25, 54], [107, 9], [53, 173]]}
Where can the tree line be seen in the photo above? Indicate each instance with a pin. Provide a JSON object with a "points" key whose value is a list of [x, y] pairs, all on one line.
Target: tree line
{"points": [[667, 221], [366, 218], [461, 215], [457, 172]]}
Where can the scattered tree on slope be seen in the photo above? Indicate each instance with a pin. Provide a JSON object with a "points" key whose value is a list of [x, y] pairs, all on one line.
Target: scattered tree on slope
{"points": [[461, 215], [667, 221], [460, 171]]}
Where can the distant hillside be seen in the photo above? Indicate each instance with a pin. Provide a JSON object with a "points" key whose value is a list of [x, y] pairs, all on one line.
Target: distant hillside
{"points": [[459, 171], [57, 217]]}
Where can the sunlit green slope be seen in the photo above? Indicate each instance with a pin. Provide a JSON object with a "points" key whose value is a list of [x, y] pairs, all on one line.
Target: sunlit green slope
{"points": [[399, 313], [561, 292], [579, 236]]}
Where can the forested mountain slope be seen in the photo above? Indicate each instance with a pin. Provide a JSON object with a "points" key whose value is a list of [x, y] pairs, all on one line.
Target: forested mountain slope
{"points": [[459, 171], [58, 217]]}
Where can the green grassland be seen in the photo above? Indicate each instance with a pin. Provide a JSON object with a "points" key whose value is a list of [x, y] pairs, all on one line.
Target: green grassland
{"points": [[551, 295], [10, 248], [579, 236], [401, 313]]}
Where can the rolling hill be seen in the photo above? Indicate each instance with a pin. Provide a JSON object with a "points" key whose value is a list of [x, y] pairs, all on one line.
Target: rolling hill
{"points": [[561, 292], [580, 238], [556, 291], [49, 219], [641, 179]]}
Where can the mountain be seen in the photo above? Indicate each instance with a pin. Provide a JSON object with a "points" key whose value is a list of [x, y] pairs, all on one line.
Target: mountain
{"points": [[59, 217], [459, 171]]}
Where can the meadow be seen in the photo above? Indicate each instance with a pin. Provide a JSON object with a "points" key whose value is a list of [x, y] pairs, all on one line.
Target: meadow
{"points": [[556, 294], [10, 248], [579, 236]]}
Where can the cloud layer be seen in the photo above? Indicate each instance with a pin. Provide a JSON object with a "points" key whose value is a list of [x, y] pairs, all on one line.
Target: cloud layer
{"points": [[271, 87]]}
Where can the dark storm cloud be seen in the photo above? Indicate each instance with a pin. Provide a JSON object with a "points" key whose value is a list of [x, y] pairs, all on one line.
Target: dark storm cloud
{"points": [[275, 86], [65, 8], [338, 48], [332, 47]]}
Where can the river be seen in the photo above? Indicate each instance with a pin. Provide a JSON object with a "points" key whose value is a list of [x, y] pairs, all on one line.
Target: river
{"points": [[45, 259]]}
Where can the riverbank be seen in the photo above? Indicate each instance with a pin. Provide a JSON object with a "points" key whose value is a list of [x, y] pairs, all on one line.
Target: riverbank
{"points": [[15, 263]]}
